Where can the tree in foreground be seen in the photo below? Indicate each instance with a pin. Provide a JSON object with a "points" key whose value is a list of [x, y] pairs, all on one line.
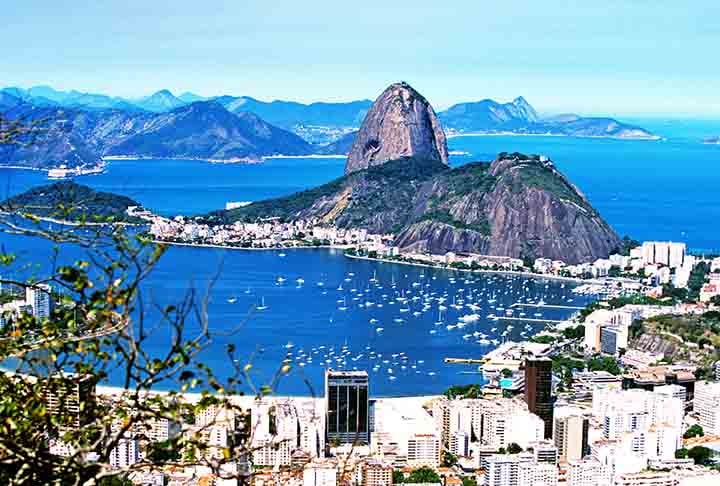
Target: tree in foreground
{"points": [[54, 428]]}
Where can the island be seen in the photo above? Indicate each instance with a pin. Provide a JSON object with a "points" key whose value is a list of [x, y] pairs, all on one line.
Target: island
{"points": [[68, 202]]}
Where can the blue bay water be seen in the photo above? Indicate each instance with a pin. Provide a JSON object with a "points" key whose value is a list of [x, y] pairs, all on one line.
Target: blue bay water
{"points": [[399, 322], [648, 190]]}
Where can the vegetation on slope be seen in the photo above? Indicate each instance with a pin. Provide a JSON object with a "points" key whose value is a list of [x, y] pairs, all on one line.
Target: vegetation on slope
{"points": [[392, 181], [69, 201]]}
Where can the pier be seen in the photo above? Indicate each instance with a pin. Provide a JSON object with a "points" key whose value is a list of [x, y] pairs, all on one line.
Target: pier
{"points": [[530, 319], [464, 360], [548, 306]]}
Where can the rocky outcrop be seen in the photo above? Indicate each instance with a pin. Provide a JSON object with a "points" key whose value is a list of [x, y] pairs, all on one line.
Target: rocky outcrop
{"points": [[519, 206], [400, 123]]}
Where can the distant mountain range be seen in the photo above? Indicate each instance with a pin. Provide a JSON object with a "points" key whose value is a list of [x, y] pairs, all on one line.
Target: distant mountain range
{"points": [[397, 181], [520, 118], [76, 137], [80, 128]]}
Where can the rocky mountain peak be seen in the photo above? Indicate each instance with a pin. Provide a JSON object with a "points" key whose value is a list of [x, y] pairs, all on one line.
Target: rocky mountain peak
{"points": [[160, 101], [400, 123], [525, 109]]}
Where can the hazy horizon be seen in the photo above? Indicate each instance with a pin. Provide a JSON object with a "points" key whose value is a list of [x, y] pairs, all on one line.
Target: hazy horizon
{"points": [[617, 58]]}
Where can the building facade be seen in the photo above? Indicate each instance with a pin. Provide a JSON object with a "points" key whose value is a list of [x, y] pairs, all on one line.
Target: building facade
{"points": [[347, 411], [538, 391]]}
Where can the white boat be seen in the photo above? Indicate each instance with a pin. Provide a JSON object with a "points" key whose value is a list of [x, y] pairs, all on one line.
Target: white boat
{"points": [[262, 305], [232, 300]]}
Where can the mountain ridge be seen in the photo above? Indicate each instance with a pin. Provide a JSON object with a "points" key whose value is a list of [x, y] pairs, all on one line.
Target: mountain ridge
{"points": [[517, 205], [74, 137]]}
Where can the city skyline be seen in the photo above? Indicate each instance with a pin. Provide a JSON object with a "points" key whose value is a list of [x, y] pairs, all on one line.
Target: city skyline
{"points": [[562, 58]]}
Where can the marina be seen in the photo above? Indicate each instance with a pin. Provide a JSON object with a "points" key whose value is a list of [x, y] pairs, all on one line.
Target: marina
{"points": [[318, 310]]}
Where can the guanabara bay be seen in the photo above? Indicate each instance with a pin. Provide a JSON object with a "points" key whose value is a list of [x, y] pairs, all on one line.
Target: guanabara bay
{"points": [[359, 244]]}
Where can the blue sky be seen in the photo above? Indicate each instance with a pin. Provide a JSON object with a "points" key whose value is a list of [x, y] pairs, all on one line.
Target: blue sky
{"points": [[610, 57]]}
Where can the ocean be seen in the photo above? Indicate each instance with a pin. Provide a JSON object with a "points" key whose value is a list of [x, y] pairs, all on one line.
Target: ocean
{"points": [[645, 189]]}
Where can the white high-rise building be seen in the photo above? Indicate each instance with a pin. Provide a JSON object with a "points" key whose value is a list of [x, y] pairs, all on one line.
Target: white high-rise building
{"points": [[670, 254], [625, 408], [312, 430], [662, 253], [570, 433], [620, 457], [617, 422], [125, 453], [39, 298], [520, 427], [538, 474], [493, 422], [676, 391], [663, 441], [707, 406], [460, 444], [504, 469], [593, 323], [274, 433], [677, 255], [544, 451], [320, 473], [587, 472], [423, 450]]}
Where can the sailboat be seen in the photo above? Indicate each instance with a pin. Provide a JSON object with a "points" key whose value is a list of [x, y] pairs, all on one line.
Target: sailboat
{"points": [[262, 305]]}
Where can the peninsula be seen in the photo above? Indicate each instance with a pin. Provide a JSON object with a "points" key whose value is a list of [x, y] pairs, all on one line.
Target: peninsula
{"points": [[397, 182]]}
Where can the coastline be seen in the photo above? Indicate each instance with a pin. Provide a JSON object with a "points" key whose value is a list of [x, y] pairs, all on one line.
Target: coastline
{"points": [[507, 272], [64, 222], [232, 160], [21, 167], [274, 248], [311, 156], [382, 260], [653, 138]]}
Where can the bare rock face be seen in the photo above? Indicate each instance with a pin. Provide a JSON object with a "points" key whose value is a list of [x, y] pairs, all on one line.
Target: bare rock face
{"points": [[517, 206], [401, 123]]}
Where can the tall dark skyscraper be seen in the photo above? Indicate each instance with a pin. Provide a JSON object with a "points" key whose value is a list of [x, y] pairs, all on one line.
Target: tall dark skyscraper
{"points": [[346, 405], [538, 390]]}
